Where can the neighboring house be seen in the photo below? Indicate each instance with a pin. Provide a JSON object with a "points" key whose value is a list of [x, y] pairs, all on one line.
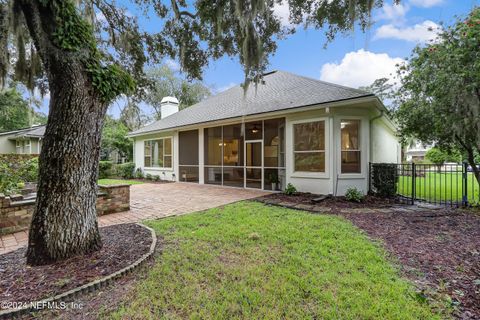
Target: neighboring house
{"points": [[22, 141], [291, 129], [416, 151]]}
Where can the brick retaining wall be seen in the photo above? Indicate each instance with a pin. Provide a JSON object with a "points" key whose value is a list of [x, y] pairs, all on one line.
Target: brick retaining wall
{"points": [[16, 211]]}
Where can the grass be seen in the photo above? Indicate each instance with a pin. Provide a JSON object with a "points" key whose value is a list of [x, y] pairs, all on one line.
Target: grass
{"points": [[438, 187], [108, 182], [252, 261]]}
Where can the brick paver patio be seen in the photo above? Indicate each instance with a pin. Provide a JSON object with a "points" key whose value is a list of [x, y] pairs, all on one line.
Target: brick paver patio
{"points": [[153, 201]]}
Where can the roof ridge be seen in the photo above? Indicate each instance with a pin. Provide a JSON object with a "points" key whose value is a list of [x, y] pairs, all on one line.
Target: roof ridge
{"points": [[326, 82]]}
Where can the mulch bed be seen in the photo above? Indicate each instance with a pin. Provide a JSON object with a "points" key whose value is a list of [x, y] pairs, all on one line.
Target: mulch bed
{"points": [[438, 249], [331, 202], [122, 245]]}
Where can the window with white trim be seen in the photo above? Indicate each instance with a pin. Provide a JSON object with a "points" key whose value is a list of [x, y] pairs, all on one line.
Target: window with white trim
{"points": [[158, 153], [309, 146], [350, 146]]}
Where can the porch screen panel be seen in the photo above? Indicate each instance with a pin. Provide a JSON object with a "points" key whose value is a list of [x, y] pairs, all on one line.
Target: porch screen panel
{"points": [[188, 156], [213, 151]]}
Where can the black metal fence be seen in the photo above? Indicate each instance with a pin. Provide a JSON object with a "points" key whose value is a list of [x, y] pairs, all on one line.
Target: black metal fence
{"points": [[449, 184]]}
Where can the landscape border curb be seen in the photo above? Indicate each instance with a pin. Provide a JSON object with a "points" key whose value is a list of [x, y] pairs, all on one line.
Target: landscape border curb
{"points": [[89, 287]]}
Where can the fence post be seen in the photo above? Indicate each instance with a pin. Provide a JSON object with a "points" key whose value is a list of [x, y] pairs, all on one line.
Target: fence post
{"points": [[414, 176], [465, 184]]}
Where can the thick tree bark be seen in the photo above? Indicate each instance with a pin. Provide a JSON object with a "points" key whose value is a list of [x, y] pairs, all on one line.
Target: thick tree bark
{"points": [[65, 221]]}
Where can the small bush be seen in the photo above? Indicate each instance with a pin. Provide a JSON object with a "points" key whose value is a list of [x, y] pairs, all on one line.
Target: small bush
{"points": [[148, 176], [156, 177], [126, 170], [354, 195], [384, 179], [139, 174], [105, 169], [290, 189], [15, 171]]}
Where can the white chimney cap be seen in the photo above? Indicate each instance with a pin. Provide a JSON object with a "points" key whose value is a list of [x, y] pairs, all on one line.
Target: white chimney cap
{"points": [[169, 100]]}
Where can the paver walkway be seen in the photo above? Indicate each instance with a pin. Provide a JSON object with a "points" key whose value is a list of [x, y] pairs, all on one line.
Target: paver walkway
{"points": [[153, 201]]}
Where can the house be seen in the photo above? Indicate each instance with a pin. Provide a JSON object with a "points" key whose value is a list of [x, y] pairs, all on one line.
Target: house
{"points": [[22, 141], [318, 136], [29, 141], [416, 151]]}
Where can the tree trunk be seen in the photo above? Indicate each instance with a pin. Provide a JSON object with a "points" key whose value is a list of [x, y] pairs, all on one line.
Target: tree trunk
{"points": [[65, 220]]}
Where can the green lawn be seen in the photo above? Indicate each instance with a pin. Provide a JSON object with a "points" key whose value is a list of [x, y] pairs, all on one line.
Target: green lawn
{"points": [[107, 182], [440, 187], [252, 261]]}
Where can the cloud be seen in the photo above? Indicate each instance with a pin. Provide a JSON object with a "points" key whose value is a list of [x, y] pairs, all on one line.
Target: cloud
{"points": [[360, 68], [426, 3], [394, 13], [423, 32]]}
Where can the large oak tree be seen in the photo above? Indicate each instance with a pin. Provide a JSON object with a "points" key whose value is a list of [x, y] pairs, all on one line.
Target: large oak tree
{"points": [[90, 52]]}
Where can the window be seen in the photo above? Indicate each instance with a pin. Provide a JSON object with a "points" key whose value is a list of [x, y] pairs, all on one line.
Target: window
{"points": [[158, 153], [309, 146], [19, 146], [350, 146]]}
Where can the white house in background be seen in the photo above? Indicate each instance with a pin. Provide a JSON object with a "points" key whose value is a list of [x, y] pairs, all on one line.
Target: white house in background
{"points": [[318, 136], [416, 151], [22, 141]]}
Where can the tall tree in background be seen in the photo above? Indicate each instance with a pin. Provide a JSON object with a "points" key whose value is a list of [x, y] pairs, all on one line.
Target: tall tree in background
{"points": [[16, 113], [382, 88], [439, 98], [114, 138], [88, 62], [163, 81]]}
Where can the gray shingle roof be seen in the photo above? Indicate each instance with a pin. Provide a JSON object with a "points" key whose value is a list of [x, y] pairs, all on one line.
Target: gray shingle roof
{"points": [[280, 90], [37, 131]]}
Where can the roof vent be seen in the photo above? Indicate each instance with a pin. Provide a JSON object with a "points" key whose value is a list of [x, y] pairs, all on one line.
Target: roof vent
{"points": [[168, 106]]}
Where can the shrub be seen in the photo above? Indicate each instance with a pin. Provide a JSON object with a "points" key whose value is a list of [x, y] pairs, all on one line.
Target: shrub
{"points": [[28, 171], [126, 170], [148, 176], [139, 174], [354, 195], [156, 177], [290, 189], [384, 178], [15, 170], [105, 169]]}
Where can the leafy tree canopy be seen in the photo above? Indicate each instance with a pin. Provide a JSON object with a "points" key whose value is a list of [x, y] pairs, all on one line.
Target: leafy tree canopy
{"points": [[114, 47], [164, 82], [114, 138], [382, 88], [439, 157], [439, 98], [16, 113]]}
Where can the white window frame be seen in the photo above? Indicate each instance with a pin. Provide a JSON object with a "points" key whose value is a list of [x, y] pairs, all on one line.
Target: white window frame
{"points": [[164, 155], [309, 174], [362, 145]]}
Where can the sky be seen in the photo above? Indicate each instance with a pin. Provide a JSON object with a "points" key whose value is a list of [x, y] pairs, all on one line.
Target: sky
{"points": [[355, 59]]}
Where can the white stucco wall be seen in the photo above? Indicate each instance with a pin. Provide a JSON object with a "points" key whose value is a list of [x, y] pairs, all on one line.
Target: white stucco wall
{"points": [[139, 152], [386, 147]]}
